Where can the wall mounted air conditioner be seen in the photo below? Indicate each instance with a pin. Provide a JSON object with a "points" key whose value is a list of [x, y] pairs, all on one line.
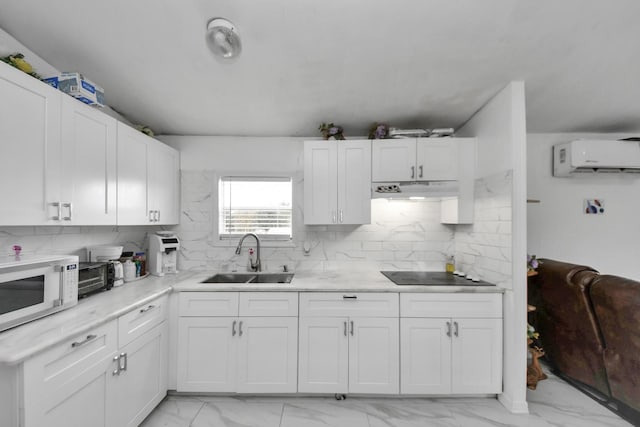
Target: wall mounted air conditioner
{"points": [[596, 156]]}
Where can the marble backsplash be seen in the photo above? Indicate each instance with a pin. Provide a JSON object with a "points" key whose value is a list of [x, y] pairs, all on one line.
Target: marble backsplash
{"points": [[402, 235], [484, 247], [72, 240]]}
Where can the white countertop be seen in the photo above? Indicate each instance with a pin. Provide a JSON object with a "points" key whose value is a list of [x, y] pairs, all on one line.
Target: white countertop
{"points": [[24, 341], [331, 281]]}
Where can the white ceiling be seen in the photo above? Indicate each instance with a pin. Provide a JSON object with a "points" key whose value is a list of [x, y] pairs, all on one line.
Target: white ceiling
{"points": [[408, 63]]}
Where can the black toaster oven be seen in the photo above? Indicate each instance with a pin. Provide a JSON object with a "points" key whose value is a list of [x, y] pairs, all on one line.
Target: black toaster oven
{"points": [[94, 277]]}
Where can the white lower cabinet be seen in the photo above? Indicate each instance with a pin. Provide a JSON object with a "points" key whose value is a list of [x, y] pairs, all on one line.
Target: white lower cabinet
{"points": [[252, 351], [143, 384], [342, 352], [97, 379], [460, 354]]}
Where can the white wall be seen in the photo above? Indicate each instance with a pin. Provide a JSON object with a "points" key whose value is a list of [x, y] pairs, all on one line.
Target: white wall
{"points": [[557, 227], [402, 235], [500, 128]]}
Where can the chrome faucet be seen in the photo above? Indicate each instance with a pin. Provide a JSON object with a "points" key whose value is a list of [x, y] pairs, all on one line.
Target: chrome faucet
{"points": [[255, 266]]}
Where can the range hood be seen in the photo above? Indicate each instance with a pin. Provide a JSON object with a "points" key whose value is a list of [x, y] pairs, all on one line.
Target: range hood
{"points": [[414, 189]]}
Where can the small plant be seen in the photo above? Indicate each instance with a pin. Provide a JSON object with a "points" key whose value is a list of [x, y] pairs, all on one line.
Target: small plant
{"points": [[379, 131], [330, 130], [532, 263]]}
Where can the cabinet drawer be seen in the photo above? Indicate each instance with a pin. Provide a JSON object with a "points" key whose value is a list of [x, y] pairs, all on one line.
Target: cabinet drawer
{"points": [[138, 321], [283, 304], [203, 304], [56, 371], [450, 305], [350, 304]]}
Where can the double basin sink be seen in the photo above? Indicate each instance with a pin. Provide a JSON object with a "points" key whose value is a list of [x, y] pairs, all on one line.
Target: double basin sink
{"points": [[250, 278]]}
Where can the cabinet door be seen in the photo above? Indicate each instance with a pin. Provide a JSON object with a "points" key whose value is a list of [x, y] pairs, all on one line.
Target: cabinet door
{"points": [[164, 182], [66, 386], [29, 149], [374, 355], [134, 392], [354, 182], [393, 160], [89, 165], [267, 355], [437, 159], [320, 182], [425, 346], [207, 354], [477, 356], [132, 176], [323, 355]]}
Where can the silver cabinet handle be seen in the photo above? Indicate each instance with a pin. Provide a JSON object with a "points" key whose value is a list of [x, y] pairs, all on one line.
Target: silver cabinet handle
{"points": [[86, 340], [455, 328], [158, 217], [341, 215], [123, 362], [413, 171], [59, 206], [150, 307], [352, 328], [117, 360], [233, 328], [448, 329], [420, 173], [240, 329], [150, 216], [345, 328], [349, 296], [70, 206], [333, 217]]}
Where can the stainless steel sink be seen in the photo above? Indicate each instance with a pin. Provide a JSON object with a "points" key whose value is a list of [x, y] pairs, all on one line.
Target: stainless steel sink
{"points": [[273, 278], [250, 278]]}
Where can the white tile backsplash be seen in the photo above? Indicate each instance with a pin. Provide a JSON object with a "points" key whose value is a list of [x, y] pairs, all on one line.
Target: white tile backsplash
{"points": [[402, 235], [484, 247]]}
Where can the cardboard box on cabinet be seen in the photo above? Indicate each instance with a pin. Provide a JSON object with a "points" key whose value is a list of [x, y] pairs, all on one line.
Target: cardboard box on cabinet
{"points": [[76, 85]]}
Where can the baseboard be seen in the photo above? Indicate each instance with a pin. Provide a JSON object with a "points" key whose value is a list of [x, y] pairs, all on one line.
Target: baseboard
{"points": [[513, 406]]}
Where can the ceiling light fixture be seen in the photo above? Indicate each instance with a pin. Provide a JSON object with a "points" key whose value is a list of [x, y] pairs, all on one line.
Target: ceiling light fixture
{"points": [[223, 38]]}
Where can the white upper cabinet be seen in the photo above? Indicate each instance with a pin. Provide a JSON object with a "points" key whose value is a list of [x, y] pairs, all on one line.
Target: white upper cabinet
{"points": [[164, 183], [421, 159], [393, 160], [29, 149], [337, 182], [148, 180], [88, 190], [437, 159]]}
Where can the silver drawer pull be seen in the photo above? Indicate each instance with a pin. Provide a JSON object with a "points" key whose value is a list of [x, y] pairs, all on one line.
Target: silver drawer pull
{"points": [[233, 328], [352, 328], [345, 328], [123, 361], [79, 343], [349, 297], [144, 310], [117, 360], [448, 329], [240, 328], [455, 326]]}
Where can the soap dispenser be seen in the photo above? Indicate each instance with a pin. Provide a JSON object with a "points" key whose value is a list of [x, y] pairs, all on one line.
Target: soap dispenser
{"points": [[451, 265]]}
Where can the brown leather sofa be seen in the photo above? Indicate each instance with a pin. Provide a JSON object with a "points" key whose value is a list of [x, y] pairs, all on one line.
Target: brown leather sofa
{"points": [[589, 326]]}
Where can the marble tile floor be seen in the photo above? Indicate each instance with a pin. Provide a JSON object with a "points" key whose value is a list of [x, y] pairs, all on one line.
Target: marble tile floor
{"points": [[554, 403]]}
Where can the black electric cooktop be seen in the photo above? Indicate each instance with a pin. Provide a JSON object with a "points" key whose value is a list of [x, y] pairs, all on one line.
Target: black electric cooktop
{"points": [[430, 278]]}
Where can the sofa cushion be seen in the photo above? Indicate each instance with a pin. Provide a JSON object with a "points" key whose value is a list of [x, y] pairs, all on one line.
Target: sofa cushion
{"points": [[616, 301], [567, 324]]}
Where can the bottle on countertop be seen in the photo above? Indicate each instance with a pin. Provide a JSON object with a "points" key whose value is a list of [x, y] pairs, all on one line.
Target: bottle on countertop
{"points": [[141, 264], [129, 270], [451, 265]]}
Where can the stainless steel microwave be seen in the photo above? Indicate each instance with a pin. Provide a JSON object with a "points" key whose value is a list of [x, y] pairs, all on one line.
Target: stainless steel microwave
{"points": [[34, 287]]}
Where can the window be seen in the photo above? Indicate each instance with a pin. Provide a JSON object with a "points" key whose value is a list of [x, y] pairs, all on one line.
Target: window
{"points": [[260, 205]]}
